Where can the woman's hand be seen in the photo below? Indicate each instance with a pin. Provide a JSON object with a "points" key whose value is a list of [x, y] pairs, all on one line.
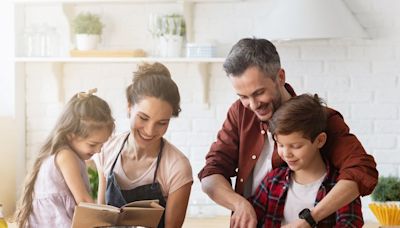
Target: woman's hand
{"points": [[101, 192]]}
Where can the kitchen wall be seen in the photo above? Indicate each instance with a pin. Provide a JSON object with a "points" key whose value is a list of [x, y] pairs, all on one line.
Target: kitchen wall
{"points": [[9, 169], [7, 163], [360, 78]]}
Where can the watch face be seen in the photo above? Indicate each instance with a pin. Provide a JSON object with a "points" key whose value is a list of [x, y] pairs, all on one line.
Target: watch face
{"points": [[304, 213]]}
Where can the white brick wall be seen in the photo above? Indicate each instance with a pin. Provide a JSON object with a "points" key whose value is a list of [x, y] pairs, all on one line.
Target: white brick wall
{"points": [[360, 78]]}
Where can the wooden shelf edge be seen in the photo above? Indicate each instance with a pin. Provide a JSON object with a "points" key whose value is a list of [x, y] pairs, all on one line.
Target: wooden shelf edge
{"points": [[122, 1], [114, 60]]}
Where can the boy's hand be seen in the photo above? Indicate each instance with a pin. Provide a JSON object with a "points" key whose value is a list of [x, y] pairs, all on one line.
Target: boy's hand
{"points": [[244, 215], [299, 223]]}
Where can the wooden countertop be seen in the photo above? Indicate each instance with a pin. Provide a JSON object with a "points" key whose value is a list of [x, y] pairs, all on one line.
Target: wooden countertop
{"points": [[221, 221]]}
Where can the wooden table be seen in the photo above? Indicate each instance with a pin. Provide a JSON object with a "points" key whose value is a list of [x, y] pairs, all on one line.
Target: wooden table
{"points": [[223, 221], [220, 222]]}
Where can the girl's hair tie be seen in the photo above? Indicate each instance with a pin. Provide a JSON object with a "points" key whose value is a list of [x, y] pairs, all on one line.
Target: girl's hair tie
{"points": [[87, 94]]}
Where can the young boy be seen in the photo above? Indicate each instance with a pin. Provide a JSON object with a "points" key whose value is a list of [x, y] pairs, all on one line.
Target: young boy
{"points": [[289, 193]]}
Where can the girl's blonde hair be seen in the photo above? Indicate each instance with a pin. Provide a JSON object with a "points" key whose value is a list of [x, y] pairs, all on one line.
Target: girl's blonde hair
{"points": [[83, 114]]}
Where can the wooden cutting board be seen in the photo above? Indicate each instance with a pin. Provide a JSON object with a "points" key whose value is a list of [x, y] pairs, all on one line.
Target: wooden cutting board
{"points": [[108, 53]]}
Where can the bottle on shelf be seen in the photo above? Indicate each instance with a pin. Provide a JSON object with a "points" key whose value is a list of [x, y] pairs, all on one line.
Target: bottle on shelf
{"points": [[3, 223], [30, 41], [41, 41], [52, 42]]}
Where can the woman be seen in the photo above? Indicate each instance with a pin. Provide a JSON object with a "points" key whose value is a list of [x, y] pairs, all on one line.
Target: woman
{"points": [[140, 164]]}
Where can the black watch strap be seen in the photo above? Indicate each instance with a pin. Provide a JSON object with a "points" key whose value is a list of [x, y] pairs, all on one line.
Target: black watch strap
{"points": [[306, 214]]}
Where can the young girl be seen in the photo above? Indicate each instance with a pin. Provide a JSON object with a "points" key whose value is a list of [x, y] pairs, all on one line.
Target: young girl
{"points": [[58, 180]]}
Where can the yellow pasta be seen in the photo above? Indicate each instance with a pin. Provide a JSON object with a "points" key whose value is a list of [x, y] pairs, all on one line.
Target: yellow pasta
{"points": [[388, 214]]}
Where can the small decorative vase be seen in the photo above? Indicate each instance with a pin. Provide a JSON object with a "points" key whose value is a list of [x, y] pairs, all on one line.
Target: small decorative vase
{"points": [[170, 45], [86, 42]]}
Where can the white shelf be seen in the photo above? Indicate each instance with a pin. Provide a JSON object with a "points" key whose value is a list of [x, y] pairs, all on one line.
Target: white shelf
{"points": [[93, 1], [114, 60], [200, 67], [121, 1]]}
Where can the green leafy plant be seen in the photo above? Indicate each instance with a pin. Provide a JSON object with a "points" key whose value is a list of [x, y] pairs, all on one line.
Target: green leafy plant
{"points": [[87, 23], [388, 189], [93, 181], [173, 24]]}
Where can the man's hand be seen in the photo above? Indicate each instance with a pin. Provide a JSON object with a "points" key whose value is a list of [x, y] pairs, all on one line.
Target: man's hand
{"points": [[219, 190], [244, 215], [299, 223]]}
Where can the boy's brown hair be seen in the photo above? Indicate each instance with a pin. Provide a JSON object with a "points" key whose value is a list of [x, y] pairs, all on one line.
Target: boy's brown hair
{"points": [[304, 113]]}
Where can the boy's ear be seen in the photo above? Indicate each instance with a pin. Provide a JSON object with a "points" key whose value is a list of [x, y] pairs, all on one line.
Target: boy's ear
{"points": [[321, 139]]}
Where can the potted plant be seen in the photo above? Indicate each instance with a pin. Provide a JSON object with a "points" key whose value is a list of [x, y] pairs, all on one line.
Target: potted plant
{"points": [[387, 201], [93, 181], [172, 33], [87, 28], [387, 189]]}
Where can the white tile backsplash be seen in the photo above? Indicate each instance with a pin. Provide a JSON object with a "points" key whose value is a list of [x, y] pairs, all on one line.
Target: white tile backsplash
{"points": [[360, 78]]}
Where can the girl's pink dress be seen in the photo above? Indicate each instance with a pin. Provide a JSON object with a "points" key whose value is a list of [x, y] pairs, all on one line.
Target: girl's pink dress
{"points": [[53, 203]]}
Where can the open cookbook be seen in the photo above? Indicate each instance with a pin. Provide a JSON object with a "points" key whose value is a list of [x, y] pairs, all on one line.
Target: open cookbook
{"points": [[145, 213]]}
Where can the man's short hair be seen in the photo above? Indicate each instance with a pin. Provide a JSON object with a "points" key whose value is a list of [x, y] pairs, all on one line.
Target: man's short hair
{"points": [[253, 52]]}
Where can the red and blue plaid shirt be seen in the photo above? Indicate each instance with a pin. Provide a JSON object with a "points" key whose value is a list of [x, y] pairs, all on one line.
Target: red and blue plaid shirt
{"points": [[270, 197]]}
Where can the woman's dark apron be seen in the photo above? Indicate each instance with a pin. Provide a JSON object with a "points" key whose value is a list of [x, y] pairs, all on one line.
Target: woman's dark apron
{"points": [[115, 196]]}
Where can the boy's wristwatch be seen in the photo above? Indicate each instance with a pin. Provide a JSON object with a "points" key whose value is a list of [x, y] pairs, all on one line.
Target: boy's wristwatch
{"points": [[306, 214]]}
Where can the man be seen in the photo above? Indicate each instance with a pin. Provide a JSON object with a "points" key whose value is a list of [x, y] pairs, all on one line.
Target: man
{"points": [[244, 148]]}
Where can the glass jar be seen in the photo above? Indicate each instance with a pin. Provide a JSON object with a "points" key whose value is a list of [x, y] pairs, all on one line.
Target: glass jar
{"points": [[52, 42], [3, 223], [42, 41], [29, 41]]}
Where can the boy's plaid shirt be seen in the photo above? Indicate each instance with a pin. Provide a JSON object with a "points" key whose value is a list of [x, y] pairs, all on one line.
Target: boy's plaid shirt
{"points": [[270, 197]]}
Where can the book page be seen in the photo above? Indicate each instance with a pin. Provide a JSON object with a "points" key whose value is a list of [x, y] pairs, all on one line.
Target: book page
{"points": [[100, 207], [140, 213], [143, 204]]}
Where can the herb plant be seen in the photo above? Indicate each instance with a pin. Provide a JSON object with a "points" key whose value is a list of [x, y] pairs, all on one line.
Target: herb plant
{"points": [[87, 23]]}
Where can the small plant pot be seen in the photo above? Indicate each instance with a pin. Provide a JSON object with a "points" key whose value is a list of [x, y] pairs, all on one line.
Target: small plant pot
{"points": [[86, 42], [170, 45]]}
